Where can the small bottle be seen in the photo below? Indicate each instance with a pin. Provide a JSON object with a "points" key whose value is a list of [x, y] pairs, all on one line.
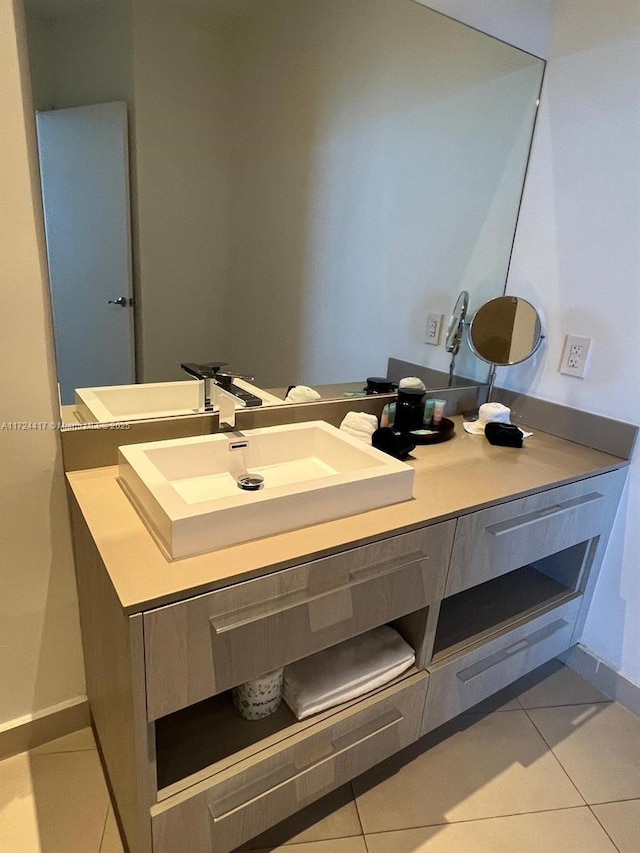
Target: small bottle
{"points": [[428, 412], [438, 411], [388, 415]]}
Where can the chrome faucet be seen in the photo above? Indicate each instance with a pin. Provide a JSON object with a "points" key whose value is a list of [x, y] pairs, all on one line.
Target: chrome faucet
{"points": [[214, 380], [226, 403], [207, 374]]}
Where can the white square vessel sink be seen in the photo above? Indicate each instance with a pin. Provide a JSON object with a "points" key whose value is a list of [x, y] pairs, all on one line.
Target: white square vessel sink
{"points": [[186, 490], [113, 403]]}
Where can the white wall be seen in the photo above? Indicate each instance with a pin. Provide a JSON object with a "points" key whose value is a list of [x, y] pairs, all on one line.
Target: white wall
{"points": [[81, 58], [182, 173], [40, 652], [577, 256], [97, 41], [41, 59], [527, 24]]}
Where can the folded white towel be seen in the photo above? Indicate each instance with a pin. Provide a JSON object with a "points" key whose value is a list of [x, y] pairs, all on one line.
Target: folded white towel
{"points": [[302, 394], [360, 425], [491, 413], [345, 671]]}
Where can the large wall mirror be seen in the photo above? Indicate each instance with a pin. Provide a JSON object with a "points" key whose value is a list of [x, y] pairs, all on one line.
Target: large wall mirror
{"points": [[308, 179]]}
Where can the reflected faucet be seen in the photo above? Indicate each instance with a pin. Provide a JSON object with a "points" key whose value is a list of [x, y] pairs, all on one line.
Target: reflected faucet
{"points": [[207, 374], [220, 391], [213, 379]]}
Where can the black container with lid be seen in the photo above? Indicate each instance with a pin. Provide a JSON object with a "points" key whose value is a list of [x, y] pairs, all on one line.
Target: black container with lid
{"points": [[409, 409], [380, 385]]}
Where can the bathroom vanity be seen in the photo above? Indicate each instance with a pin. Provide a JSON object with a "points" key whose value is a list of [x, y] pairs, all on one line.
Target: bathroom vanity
{"points": [[487, 572]]}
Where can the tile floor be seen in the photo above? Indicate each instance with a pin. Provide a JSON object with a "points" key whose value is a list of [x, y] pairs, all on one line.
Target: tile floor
{"points": [[549, 766]]}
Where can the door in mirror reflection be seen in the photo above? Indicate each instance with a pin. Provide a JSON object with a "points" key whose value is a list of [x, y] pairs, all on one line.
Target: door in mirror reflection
{"points": [[84, 172]]}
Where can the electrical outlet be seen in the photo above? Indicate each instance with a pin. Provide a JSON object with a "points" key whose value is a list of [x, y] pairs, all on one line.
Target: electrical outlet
{"points": [[575, 356], [433, 329]]}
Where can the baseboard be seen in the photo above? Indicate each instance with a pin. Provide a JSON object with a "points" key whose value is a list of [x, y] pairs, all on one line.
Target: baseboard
{"points": [[603, 676], [35, 729]]}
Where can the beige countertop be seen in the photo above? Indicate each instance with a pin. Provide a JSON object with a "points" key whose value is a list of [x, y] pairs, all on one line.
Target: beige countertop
{"points": [[451, 479]]}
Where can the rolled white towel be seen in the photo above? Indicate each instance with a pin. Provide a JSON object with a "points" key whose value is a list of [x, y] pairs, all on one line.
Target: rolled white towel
{"points": [[360, 425], [491, 413], [345, 671], [302, 394], [412, 382]]}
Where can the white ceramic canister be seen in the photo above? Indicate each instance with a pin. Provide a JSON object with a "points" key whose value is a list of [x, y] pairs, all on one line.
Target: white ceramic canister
{"points": [[259, 697]]}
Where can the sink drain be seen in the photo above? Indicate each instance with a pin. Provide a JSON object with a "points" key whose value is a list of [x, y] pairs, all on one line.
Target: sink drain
{"points": [[250, 482]]}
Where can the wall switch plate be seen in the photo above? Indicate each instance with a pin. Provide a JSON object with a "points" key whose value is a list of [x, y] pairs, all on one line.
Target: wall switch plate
{"points": [[434, 327], [575, 356]]}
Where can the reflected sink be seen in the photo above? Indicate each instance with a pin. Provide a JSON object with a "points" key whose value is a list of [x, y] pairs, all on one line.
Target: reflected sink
{"points": [[186, 490], [148, 400], [112, 403]]}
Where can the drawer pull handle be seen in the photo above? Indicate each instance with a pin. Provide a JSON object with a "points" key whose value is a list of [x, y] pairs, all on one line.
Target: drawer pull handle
{"points": [[339, 746], [223, 623], [471, 672], [506, 527]]}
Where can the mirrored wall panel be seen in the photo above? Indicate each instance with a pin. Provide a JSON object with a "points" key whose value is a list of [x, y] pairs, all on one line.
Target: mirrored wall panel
{"points": [[290, 186]]}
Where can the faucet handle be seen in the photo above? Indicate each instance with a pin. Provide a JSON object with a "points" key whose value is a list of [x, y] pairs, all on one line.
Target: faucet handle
{"points": [[226, 379], [225, 382], [203, 371]]}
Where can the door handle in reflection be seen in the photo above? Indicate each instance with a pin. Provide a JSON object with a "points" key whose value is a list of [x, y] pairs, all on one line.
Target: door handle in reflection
{"points": [[122, 301]]}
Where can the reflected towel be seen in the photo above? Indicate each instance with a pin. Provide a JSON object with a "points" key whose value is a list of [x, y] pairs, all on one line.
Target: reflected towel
{"points": [[360, 425], [412, 382], [345, 671], [302, 394]]}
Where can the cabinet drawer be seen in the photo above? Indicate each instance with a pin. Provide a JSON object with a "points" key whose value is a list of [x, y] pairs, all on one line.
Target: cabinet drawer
{"points": [[460, 681], [210, 643], [497, 540], [218, 815]]}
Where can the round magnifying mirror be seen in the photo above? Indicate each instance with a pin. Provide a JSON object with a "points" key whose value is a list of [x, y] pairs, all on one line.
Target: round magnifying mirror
{"points": [[506, 330], [456, 323]]}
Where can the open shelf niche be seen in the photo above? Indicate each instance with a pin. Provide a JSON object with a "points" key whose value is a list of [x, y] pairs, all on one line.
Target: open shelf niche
{"points": [[209, 736], [476, 614]]}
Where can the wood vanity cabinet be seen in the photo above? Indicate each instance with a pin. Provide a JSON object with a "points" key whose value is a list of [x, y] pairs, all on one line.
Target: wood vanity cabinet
{"points": [[483, 597], [520, 574], [210, 643]]}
